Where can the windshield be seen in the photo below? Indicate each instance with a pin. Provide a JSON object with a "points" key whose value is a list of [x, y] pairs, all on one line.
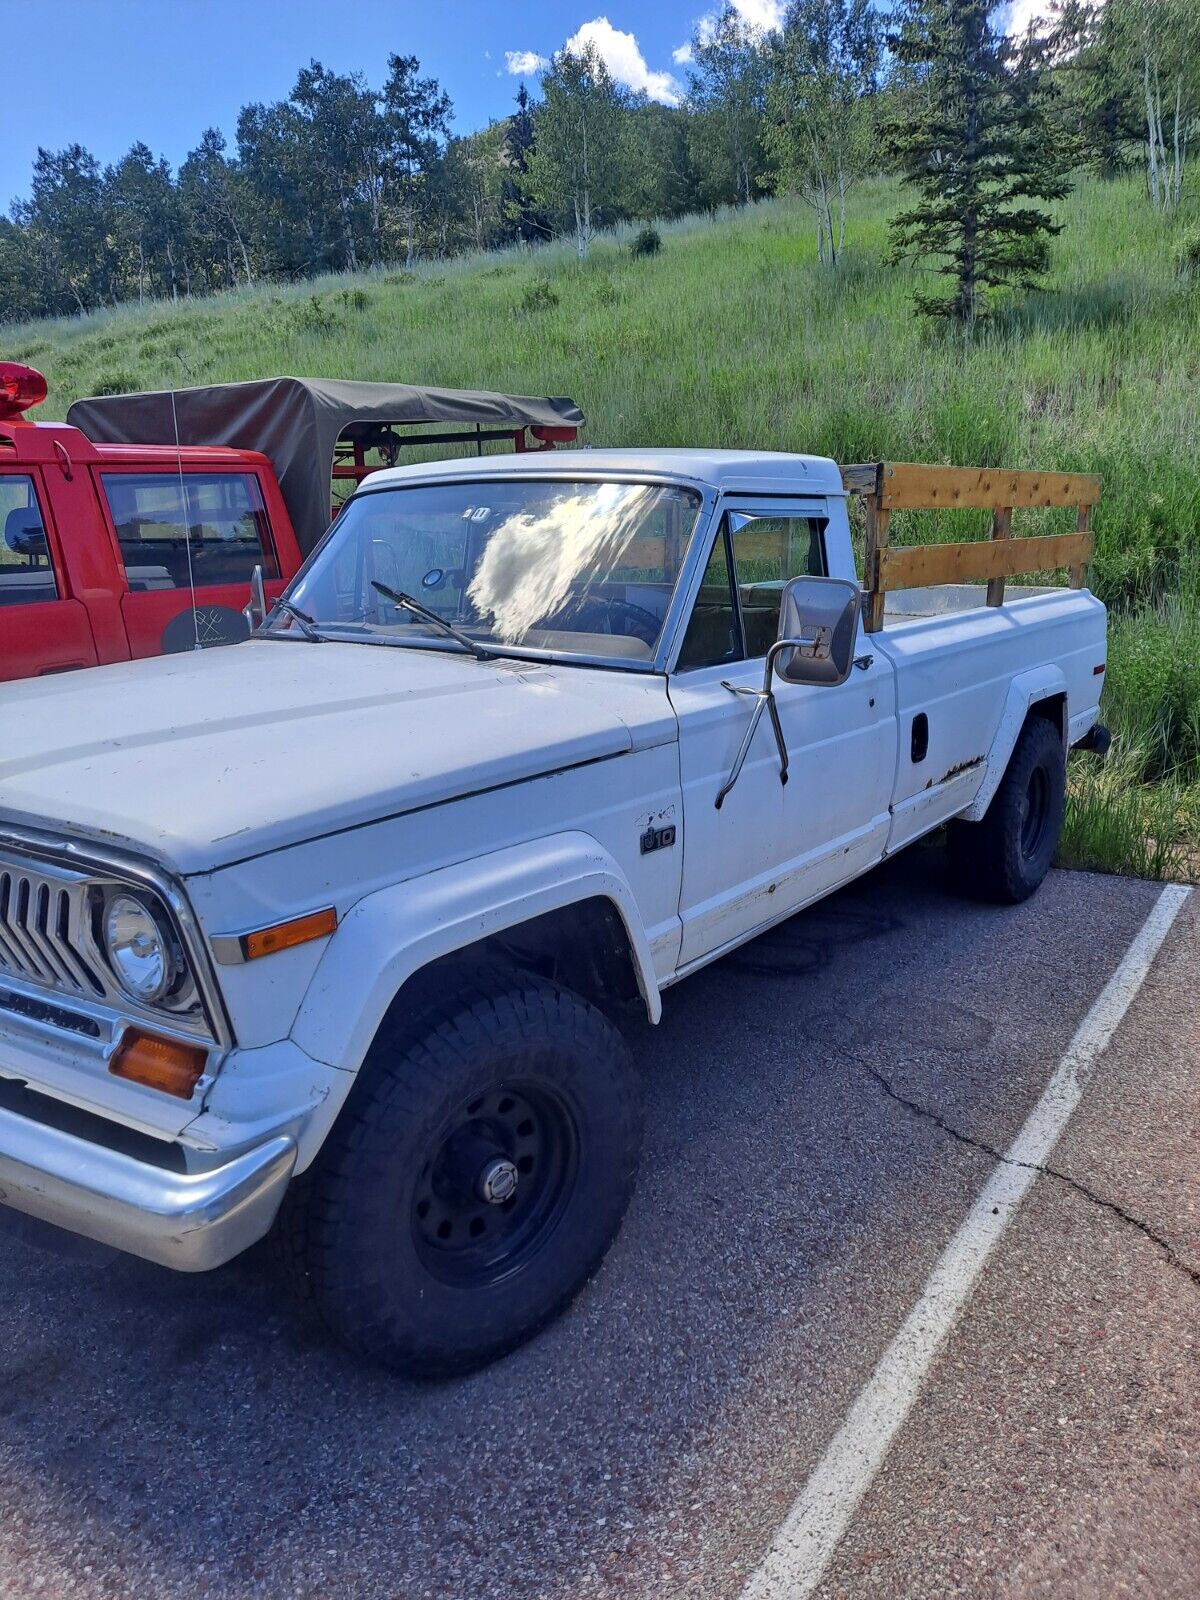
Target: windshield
{"points": [[570, 567]]}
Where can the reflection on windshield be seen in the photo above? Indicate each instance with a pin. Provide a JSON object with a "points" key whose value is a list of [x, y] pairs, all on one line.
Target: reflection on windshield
{"points": [[583, 568], [534, 559]]}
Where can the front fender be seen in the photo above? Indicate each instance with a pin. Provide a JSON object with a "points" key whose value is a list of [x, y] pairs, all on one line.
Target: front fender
{"points": [[391, 934], [1026, 689]]}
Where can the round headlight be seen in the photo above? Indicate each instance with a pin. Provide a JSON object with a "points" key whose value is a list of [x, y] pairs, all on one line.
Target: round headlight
{"points": [[138, 948]]}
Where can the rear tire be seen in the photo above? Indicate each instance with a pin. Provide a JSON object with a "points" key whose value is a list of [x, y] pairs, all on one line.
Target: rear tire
{"points": [[1005, 856], [474, 1180]]}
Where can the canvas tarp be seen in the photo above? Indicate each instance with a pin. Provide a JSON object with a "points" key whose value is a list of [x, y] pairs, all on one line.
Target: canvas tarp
{"points": [[296, 422]]}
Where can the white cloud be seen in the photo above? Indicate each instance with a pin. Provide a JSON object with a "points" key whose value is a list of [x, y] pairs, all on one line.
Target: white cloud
{"points": [[1022, 12], [756, 16], [681, 55], [521, 63], [763, 16], [622, 55]]}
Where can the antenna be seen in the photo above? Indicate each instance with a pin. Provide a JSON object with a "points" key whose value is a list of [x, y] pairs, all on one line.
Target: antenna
{"points": [[187, 526]]}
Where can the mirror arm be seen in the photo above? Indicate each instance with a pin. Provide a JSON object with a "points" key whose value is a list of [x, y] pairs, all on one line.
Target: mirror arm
{"points": [[760, 701], [764, 700], [777, 650], [779, 739]]}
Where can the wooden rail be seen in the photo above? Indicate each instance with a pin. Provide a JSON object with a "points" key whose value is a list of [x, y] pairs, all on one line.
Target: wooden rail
{"points": [[888, 486]]}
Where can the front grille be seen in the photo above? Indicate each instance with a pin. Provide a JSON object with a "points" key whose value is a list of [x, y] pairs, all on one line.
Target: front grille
{"points": [[48, 943], [42, 934]]}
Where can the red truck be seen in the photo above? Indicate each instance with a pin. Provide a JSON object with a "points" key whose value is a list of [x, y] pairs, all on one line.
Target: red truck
{"points": [[134, 528]]}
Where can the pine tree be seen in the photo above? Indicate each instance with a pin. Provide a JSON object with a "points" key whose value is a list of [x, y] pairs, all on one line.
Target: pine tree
{"points": [[976, 142], [524, 221], [417, 112]]}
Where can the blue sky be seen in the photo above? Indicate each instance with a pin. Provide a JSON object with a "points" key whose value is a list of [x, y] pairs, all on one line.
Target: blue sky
{"points": [[107, 72]]}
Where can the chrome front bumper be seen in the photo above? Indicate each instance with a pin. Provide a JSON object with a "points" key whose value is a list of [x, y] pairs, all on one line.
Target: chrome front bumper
{"points": [[190, 1221]]}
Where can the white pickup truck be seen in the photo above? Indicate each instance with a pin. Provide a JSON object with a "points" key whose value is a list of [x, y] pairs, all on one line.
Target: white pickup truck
{"points": [[327, 930]]}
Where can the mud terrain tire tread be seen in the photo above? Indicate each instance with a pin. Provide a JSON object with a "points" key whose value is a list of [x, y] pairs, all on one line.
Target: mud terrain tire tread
{"points": [[987, 858], [344, 1232]]}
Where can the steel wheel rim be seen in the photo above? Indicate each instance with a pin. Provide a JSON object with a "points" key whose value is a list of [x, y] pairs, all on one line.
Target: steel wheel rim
{"points": [[465, 1231]]}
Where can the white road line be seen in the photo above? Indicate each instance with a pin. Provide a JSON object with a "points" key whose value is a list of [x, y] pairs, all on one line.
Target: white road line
{"points": [[804, 1545]]}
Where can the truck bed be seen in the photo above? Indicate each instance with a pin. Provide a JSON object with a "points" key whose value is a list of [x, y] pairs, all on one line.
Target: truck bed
{"points": [[939, 600], [965, 671]]}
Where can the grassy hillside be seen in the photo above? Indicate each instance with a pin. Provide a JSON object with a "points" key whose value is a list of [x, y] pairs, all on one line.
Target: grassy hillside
{"points": [[733, 336]]}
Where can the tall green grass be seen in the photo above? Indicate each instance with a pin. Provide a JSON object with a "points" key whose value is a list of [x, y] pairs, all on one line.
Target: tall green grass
{"points": [[732, 335], [1152, 700], [1115, 822], [1139, 812]]}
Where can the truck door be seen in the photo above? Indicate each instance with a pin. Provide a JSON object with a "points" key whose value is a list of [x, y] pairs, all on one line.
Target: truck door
{"points": [[201, 532], [772, 848], [43, 628]]}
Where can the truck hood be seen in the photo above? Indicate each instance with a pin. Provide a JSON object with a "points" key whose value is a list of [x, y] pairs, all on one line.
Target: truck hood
{"points": [[211, 757]]}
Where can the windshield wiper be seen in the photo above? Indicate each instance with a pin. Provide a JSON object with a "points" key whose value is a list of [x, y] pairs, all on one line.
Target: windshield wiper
{"points": [[304, 622], [399, 598]]}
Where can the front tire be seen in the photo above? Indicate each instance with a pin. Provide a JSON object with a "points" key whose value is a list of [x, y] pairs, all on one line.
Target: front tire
{"points": [[1005, 856], [474, 1180]]}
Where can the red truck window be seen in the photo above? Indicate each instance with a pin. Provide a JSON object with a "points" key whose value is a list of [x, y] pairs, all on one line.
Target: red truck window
{"points": [[224, 522], [26, 571]]}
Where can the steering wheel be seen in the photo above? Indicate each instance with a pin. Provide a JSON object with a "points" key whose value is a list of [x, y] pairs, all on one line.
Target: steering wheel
{"points": [[636, 622], [639, 623]]}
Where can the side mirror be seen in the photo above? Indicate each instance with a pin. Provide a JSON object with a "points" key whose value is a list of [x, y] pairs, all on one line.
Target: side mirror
{"points": [[818, 629], [256, 612]]}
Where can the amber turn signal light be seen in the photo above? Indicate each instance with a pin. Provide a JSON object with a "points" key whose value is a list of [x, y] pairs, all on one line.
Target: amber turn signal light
{"points": [[266, 941], [164, 1064]]}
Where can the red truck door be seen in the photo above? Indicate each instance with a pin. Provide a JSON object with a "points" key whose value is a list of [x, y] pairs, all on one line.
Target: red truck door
{"points": [[44, 628], [204, 531]]}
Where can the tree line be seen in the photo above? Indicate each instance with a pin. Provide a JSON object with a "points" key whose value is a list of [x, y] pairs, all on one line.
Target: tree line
{"points": [[344, 175]]}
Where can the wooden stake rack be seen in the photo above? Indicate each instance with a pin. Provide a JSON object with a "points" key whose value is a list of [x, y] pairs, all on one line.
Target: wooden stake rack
{"points": [[888, 486]]}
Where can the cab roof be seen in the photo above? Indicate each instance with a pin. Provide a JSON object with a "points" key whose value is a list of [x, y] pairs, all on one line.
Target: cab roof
{"points": [[27, 443], [751, 471], [215, 453]]}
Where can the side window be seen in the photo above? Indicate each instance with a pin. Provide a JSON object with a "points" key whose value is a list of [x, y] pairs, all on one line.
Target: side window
{"points": [[767, 551], [220, 515], [26, 571], [736, 615], [713, 635]]}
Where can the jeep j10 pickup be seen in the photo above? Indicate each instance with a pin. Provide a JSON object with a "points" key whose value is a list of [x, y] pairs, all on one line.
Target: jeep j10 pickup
{"points": [[329, 933]]}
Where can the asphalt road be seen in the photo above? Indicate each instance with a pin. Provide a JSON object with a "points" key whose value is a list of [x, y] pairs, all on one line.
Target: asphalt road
{"points": [[821, 1110]]}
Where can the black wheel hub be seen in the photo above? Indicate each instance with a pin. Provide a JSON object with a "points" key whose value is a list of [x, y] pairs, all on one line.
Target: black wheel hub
{"points": [[495, 1185], [1034, 810]]}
